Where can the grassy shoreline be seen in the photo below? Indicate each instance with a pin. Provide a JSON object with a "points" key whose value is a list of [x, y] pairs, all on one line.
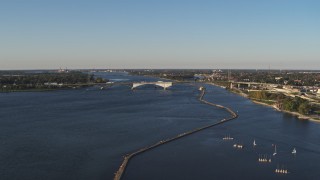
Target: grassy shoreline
{"points": [[298, 115]]}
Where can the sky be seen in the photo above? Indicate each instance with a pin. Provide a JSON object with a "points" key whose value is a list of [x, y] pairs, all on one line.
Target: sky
{"points": [[209, 34]]}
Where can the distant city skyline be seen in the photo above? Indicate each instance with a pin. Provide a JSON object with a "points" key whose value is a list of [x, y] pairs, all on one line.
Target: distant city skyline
{"points": [[207, 34]]}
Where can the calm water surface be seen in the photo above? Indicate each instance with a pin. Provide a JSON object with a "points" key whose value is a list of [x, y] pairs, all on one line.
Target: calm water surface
{"points": [[83, 134]]}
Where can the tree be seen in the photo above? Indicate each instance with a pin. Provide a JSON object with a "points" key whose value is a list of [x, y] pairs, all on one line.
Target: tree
{"points": [[100, 80], [304, 108]]}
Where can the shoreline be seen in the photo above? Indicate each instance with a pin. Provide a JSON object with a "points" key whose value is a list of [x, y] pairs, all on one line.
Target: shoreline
{"points": [[296, 114], [65, 87], [28, 90]]}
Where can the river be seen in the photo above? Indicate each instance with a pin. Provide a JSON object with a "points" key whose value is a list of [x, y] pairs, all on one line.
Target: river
{"points": [[83, 134]]}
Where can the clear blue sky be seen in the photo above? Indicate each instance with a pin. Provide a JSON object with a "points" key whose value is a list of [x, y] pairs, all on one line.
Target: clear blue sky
{"points": [[36, 34]]}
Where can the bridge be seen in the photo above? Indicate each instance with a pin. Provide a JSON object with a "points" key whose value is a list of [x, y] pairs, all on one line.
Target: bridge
{"points": [[165, 85], [248, 84]]}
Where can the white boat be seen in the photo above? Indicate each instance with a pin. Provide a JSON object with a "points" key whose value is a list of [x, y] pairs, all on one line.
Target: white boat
{"points": [[235, 145], [275, 150], [282, 170], [254, 142], [227, 137], [277, 170], [294, 151], [266, 159], [238, 146], [230, 138]]}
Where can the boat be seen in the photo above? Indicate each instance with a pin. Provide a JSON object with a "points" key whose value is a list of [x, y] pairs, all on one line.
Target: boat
{"points": [[294, 151], [285, 170], [282, 170], [230, 138], [275, 150], [238, 146], [254, 142], [235, 145], [264, 159], [227, 137], [277, 170]]}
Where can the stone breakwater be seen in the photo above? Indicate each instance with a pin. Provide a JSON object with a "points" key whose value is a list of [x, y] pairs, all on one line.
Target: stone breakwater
{"points": [[128, 157]]}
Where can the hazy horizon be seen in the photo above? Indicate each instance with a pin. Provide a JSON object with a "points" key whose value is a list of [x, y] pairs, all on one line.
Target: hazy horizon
{"points": [[236, 69], [160, 34]]}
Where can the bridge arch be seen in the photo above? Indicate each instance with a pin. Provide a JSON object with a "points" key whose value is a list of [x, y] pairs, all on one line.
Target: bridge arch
{"points": [[165, 85]]}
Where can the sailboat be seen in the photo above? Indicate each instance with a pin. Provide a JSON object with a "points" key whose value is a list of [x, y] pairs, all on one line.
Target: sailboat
{"points": [[230, 138], [277, 170], [282, 170], [294, 151], [275, 150], [269, 159], [235, 145], [227, 137], [254, 142]]}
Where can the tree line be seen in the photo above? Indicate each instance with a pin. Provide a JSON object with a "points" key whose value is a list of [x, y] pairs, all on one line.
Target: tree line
{"points": [[283, 102], [48, 80]]}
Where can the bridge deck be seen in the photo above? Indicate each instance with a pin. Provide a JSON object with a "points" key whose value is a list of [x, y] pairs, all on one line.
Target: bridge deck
{"points": [[162, 84]]}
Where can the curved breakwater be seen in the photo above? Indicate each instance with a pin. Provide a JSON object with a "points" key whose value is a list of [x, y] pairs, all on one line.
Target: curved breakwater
{"points": [[127, 158]]}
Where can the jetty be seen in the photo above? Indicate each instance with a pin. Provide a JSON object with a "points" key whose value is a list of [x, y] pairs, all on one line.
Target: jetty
{"points": [[128, 157]]}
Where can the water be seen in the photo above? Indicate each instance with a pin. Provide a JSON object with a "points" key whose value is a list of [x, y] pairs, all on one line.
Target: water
{"points": [[206, 156], [83, 134]]}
